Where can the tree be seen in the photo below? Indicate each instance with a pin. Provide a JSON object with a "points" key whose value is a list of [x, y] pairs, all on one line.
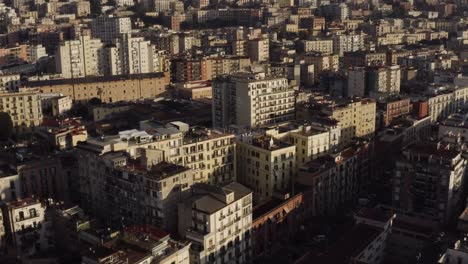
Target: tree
{"points": [[6, 126]]}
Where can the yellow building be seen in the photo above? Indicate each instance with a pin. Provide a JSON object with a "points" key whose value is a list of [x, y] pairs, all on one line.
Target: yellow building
{"points": [[224, 65], [194, 90], [24, 108], [356, 118], [265, 164], [108, 88]]}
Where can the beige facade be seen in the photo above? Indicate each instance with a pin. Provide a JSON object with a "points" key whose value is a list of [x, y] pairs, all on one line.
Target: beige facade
{"points": [[218, 222], [80, 58], [322, 62], [225, 65], [108, 89], [194, 90], [265, 164], [356, 118], [9, 82], [24, 108], [251, 100], [321, 45], [210, 155]]}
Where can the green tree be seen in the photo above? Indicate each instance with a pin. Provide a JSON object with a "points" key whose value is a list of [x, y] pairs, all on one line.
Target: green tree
{"points": [[6, 126]]}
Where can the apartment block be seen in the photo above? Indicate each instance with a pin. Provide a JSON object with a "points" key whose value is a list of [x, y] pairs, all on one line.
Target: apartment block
{"points": [[10, 82], [337, 179], [324, 46], [108, 28], [106, 88], [187, 70], [428, 181], [24, 108], [135, 55], [258, 50], [378, 81], [247, 100], [312, 139], [356, 117], [194, 90], [25, 220], [321, 62], [348, 43], [218, 222], [265, 164], [218, 66], [10, 187], [210, 155], [80, 58], [363, 58]]}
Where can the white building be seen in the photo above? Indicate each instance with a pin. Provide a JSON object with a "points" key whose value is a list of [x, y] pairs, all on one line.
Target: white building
{"points": [[61, 104], [218, 222], [35, 52], [348, 43], [9, 82], [108, 28], [10, 188], [80, 58], [251, 100], [319, 45], [27, 225], [134, 56]]}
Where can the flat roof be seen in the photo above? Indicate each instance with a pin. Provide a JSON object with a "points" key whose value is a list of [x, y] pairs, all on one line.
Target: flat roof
{"points": [[93, 79]]}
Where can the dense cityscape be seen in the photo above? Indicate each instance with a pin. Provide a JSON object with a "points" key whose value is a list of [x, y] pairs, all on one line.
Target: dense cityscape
{"points": [[229, 132]]}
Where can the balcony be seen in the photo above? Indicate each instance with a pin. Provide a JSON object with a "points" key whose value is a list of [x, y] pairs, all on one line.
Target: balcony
{"points": [[20, 219]]}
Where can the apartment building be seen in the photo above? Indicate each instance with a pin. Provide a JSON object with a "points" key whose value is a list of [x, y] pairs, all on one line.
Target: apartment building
{"points": [[258, 50], [14, 55], [356, 117], [43, 178], [337, 179], [265, 164], [324, 46], [24, 108], [26, 220], [394, 108], [312, 139], [209, 154], [187, 70], [135, 55], [428, 181], [10, 188], [376, 81], [321, 63], [444, 103], [194, 90], [80, 58], [61, 104], [247, 100], [218, 222], [9, 82], [454, 127], [152, 189], [348, 43], [363, 58], [218, 66], [107, 88], [63, 133], [108, 28]]}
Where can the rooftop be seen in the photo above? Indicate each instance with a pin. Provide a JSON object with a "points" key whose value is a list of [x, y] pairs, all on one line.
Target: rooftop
{"points": [[94, 79], [348, 246]]}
